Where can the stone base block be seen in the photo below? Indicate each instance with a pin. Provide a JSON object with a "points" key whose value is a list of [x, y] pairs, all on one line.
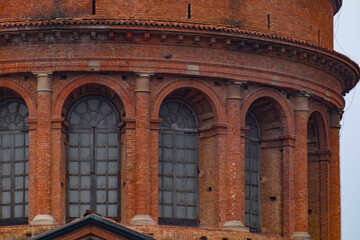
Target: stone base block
{"points": [[301, 236], [142, 220], [236, 226], [43, 220]]}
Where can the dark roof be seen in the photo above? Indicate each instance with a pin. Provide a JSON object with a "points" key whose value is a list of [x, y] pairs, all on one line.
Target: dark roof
{"points": [[94, 220]]}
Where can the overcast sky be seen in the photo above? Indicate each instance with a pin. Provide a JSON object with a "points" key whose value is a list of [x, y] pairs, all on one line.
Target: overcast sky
{"points": [[347, 41]]}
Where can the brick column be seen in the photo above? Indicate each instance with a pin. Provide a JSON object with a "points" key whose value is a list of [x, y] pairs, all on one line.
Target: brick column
{"points": [[334, 191], [43, 163], [288, 185], [142, 132], [235, 191], [154, 164], [324, 193], [300, 162], [58, 166]]}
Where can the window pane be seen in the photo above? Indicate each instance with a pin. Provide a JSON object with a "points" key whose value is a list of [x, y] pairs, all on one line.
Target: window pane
{"points": [[85, 196], [180, 212], [84, 154], [73, 139], [100, 182], [167, 140], [6, 169], [73, 196], [6, 141], [112, 210], [19, 182], [73, 153], [112, 180], [19, 140], [5, 155], [113, 167], [73, 168], [168, 197], [101, 209], [100, 153], [85, 182], [19, 211], [100, 196], [5, 199], [100, 139], [6, 184], [191, 212], [74, 210], [100, 167], [19, 154], [113, 153], [180, 197], [112, 139], [5, 212], [180, 140], [180, 155], [112, 196], [74, 182], [19, 168], [85, 139], [19, 196], [85, 167], [167, 212]]}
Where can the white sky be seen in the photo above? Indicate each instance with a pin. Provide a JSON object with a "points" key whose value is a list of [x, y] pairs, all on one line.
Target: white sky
{"points": [[347, 41]]}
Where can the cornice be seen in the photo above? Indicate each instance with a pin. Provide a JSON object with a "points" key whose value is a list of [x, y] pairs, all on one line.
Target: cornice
{"points": [[236, 39], [336, 4]]}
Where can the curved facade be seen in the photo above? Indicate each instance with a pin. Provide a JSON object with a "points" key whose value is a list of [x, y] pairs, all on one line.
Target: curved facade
{"points": [[190, 120]]}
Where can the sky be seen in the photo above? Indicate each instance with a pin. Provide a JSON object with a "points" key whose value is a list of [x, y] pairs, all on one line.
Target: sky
{"points": [[347, 41]]}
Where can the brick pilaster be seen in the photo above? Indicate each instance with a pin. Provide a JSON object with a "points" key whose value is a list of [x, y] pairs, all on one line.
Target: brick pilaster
{"points": [[300, 168], [324, 193], [142, 132], [334, 172], [235, 189], [288, 185], [43, 163]]}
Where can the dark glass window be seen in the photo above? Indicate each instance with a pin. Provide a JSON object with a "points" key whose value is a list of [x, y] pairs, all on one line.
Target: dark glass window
{"points": [[252, 174], [178, 164], [14, 162], [93, 158]]}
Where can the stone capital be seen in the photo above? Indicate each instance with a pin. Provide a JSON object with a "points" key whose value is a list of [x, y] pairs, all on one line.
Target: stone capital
{"points": [[234, 88], [142, 81], [335, 117], [43, 81], [302, 101]]}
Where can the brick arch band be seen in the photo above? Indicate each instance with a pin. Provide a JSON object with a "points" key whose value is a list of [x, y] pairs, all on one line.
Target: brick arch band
{"points": [[287, 110], [23, 92], [215, 101], [322, 120], [77, 82]]}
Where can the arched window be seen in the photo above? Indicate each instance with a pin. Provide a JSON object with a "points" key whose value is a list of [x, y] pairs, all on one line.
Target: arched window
{"points": [[252, 174], [14, 162], [178, 164], [93, 158]]}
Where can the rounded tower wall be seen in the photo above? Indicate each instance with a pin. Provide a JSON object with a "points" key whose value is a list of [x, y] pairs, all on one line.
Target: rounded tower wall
{"points": [[309, 20]]}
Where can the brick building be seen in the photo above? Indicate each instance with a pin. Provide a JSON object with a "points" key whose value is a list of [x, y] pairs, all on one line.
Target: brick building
{"points": [[179, 119]]}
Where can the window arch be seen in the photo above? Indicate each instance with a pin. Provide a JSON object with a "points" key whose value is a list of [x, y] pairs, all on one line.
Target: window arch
{"points": [[252, 173], [178, 164], [14, 162], [93, 158]]}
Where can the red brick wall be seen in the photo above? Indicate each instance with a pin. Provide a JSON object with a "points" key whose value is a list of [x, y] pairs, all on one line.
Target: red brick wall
{"points": [[310, 20]]}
